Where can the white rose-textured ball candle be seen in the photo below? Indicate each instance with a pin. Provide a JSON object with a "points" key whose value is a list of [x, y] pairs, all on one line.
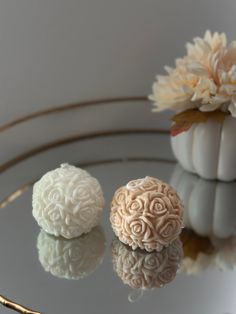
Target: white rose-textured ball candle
{"points": [[67, 202], [146, 213]]}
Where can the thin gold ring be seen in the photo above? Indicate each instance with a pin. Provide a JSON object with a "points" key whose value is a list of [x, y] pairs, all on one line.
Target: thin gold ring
{"points": [[72, 106], [74, 138]]}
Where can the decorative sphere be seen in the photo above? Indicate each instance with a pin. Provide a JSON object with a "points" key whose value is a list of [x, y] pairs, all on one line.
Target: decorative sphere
{"points": [[71, 259], [142, 270], [146, 213], [67, 202]]}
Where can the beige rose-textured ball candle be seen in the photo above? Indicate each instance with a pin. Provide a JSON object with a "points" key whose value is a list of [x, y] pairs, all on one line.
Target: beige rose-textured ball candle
{"points": [[146, 213], [67, 202]]}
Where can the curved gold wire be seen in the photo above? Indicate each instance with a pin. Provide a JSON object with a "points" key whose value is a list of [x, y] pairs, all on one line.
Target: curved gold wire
{"points": [[72, 106], [74, 138], [16, 307]]}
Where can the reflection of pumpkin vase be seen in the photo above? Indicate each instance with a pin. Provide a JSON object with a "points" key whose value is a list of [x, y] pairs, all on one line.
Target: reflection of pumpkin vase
{"points": [[209, 205], [210, 213], [71, 259], [201, 253], [142, 270]]}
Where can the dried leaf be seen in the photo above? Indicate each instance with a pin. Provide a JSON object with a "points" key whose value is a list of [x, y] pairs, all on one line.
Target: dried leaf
{"points": [[218, 116], [175, 129], [194, 244], [183, 121]]}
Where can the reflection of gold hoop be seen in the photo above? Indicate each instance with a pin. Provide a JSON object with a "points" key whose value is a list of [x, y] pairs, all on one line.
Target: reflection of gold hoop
{"points": [[4, 301]]}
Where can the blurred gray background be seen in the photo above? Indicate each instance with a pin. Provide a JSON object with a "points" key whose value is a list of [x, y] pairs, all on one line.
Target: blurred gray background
{"points": [[56, 51]]}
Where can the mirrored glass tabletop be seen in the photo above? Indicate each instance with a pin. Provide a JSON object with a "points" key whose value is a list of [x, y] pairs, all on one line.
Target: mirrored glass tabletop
{"points": [[95, 273]]}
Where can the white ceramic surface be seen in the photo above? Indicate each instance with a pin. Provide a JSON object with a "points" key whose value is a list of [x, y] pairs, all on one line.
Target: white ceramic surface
{"points": [[208, 149], [209, 205]]}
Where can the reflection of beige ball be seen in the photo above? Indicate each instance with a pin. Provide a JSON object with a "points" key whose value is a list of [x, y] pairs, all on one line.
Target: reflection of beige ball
{"points": [[146, 213], [71, 259], [67, 202], [142, 270]]}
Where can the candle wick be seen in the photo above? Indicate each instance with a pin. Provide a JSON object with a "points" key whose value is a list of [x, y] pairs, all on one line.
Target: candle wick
{"points": [[64, 165]]}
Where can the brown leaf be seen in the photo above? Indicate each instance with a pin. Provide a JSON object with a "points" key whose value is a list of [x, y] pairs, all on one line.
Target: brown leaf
{"points": [[183, 121], [175, 129], [218, 116], [194, 244]]}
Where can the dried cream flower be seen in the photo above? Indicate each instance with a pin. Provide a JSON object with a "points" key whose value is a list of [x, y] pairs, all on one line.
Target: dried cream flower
{"points": [[204, 79]]}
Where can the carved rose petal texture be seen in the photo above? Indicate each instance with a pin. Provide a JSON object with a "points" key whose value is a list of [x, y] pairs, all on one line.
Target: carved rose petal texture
{"points": [[71, 259], [67, 202], [142, 270], [146, 213]]}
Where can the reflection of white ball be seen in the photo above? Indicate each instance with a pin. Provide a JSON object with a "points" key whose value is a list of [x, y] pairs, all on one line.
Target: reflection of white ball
{"points": [[71, 259], [67, 202]]}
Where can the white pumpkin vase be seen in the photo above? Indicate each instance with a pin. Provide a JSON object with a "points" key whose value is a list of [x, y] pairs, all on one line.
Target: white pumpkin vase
{"points": [[208, 149], [209, 205], [198, 89]]}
